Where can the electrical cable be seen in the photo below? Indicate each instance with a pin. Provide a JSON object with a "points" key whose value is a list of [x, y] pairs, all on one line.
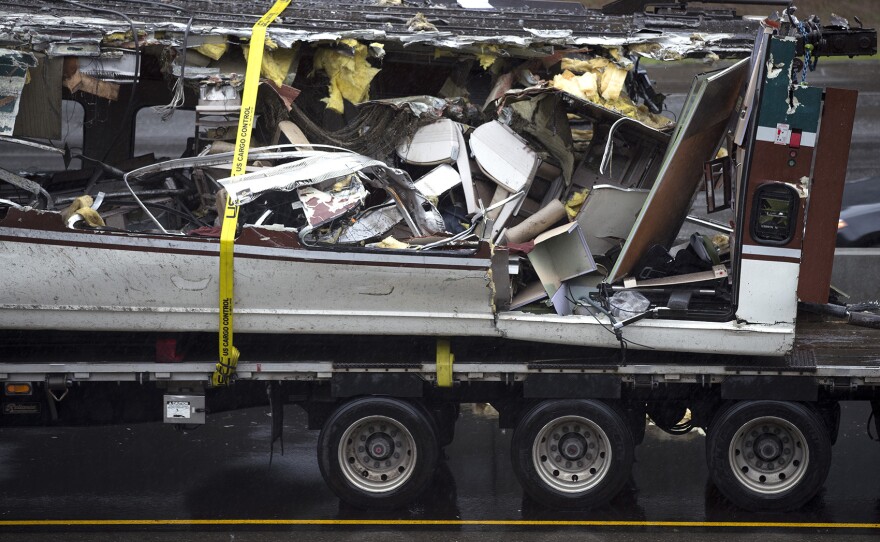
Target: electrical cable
{"points": [[129, 109], [618, 333], [187, 214], [178, 97]]}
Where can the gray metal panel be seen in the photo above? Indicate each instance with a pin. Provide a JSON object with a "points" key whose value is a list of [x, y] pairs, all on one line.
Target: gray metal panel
{"points": [[780, 388], [705, 116], [572, 386]]}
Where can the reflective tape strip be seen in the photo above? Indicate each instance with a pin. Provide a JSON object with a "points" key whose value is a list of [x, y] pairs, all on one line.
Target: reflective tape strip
{"points": [[767, 133], [228, 353], [771, 251]]}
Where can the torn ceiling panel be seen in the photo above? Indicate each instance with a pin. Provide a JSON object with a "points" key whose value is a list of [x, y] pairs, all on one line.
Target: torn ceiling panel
{"points": [[514, 30]]}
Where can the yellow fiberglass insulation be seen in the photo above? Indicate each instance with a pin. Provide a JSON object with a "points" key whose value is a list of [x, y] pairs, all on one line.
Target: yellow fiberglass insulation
{"points": [[609, 76], [350, 76], [82, 206], [213, 51], [575, 202], [602, 83], [276, 63], [584, 86], [611, 83], [580, 66], [390, 242], [487, 56]]}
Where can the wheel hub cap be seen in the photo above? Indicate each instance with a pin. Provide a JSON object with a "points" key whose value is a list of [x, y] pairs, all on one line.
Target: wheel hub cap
{"points": [[380, 446], [573, 446], [768, 448]]}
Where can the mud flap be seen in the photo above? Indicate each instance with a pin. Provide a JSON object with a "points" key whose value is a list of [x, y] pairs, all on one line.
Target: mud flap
{"points": [[875, 411], [276, 407]]}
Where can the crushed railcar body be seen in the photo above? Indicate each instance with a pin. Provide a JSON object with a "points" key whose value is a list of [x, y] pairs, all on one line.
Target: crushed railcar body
{"points": [[411, 91], [440, 205]]}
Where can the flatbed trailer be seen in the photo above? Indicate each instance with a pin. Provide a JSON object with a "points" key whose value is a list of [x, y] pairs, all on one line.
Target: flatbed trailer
{"points": [[123, 382], [381, 342]]}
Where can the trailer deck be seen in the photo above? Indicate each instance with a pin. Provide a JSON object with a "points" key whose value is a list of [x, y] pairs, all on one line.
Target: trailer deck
{"points": [[825, 350]]}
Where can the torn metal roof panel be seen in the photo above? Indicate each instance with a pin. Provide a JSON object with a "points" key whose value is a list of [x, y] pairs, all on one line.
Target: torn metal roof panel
{"points": [[41, 23]]}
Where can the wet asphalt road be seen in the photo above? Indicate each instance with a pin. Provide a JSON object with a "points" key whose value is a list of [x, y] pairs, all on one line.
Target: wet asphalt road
{"points": [[221, 472]]}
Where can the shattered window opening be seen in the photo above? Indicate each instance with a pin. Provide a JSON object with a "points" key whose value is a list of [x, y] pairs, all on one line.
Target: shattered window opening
{"points": [[163, 138], [20, 158]]}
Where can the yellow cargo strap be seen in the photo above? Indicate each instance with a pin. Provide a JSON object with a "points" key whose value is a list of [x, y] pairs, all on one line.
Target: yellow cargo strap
{"points": [[228, 353], [445, 359]]}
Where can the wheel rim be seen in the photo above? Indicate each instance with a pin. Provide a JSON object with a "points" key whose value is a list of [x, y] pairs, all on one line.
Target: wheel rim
{"points": [[377, 454], [571, 454], [769, 455]]}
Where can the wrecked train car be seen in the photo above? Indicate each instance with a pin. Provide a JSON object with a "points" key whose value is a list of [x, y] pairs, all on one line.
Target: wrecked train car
{"points": [[416, 143], [507, 186]]}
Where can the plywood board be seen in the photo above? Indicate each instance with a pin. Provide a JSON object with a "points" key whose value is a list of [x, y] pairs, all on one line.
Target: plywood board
{"points": [[826, 193], [39, 113]]}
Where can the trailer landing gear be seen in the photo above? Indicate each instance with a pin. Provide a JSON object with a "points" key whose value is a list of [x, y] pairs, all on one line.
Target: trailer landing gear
{"points": [[572, 453], [768, 455], [378, 452]]}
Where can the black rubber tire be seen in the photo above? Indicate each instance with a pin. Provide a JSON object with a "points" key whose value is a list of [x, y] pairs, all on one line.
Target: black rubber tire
{"points": [[409, 415], [620, 442], [724, 429]]}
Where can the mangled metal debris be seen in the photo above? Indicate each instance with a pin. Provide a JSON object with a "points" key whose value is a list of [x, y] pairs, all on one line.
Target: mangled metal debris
{"points": [[409, 130]]}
